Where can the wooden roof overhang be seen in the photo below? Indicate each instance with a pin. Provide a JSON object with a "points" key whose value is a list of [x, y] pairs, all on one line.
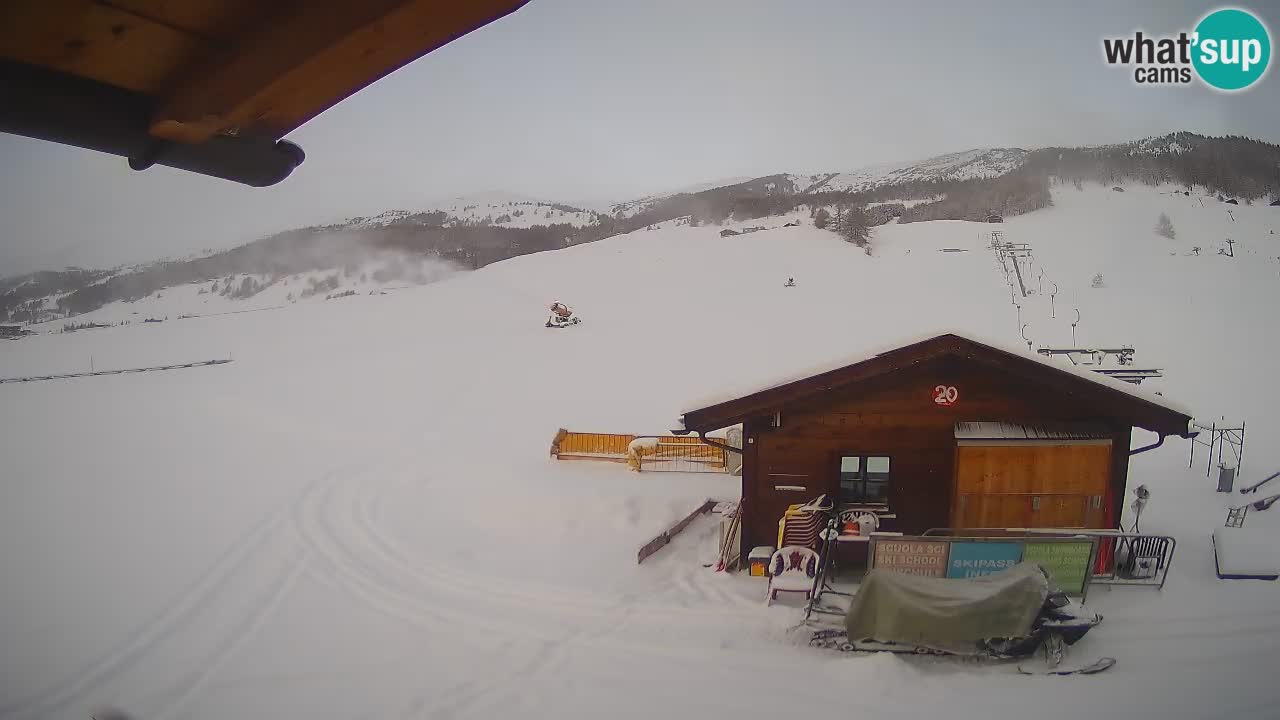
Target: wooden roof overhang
{"points": [[1111, 401], [209, 86]]}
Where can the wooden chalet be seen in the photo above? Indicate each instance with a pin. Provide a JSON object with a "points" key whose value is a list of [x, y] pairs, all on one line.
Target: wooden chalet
{"points": [[945, 432]]}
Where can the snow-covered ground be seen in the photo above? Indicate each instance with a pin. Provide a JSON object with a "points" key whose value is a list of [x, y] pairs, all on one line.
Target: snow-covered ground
{"points": [[378, 276], [907, 203], [358, 518]]}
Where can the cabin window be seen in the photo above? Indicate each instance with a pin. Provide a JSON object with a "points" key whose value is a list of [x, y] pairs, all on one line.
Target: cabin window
{"points": [[864, 479]]}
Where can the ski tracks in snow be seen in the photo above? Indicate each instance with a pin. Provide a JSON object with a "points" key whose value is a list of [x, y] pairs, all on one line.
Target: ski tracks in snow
{"points": [[330, 530], [375, 562], [232, 643], [531, 632], [194, 636]]}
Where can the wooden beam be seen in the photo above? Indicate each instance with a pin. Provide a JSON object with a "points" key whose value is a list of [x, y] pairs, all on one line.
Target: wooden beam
{"points": [[215, 21], [302, 60], [96, 41], [664, 538]]}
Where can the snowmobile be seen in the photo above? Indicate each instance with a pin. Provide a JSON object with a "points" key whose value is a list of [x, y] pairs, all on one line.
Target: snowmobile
{"points": [[561, 316], [1005, 615]]}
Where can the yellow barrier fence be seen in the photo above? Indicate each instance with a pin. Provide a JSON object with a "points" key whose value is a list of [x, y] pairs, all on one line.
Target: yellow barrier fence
{"points": [[669, 453]]}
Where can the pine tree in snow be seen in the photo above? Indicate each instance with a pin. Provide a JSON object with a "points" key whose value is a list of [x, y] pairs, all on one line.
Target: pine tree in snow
{"points": [[1164, 227], [851, 224]]}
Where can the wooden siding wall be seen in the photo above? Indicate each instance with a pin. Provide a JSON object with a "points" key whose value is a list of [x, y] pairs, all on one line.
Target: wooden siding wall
{"points": [[896, 417]]}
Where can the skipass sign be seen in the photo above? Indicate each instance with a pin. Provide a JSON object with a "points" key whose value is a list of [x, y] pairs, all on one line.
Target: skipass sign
{"points": [[1069, 560], [1229, 50]]}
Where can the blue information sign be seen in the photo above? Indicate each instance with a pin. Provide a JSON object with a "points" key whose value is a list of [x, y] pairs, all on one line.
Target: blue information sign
{"points": [[971, 559]]}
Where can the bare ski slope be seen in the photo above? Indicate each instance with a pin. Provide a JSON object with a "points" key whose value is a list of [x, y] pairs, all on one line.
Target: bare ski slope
{"points": [[357, 517]]}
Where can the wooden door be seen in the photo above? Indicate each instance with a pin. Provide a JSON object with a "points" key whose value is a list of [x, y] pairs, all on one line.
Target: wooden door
{"points": [[1033, 469], [1057, 511], [788, 471], [778, 489], [992, 511], [1032, 484]]}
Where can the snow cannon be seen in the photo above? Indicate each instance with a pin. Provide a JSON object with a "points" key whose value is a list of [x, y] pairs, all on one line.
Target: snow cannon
{"points": [[561, 316]]}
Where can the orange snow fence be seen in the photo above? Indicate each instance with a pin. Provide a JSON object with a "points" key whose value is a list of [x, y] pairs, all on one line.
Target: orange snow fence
{"points": [[664, 452]]}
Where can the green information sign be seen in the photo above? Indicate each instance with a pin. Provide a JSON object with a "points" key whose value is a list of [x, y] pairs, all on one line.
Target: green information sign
{"points": [[1067, 562]]}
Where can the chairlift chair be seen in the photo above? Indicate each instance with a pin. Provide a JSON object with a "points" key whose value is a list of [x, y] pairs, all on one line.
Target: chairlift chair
{"points": [[1265, 503], [1236, 516]]}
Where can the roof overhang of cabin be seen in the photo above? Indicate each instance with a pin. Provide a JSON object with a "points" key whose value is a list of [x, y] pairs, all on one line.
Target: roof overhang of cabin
{"points": [[209, 86], [1113, 400]]}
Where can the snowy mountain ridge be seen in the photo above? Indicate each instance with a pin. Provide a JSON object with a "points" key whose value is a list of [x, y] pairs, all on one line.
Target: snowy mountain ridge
{"points": [[965, 165], [495, 208], [476, 229], [628, 208], [976, 163]]}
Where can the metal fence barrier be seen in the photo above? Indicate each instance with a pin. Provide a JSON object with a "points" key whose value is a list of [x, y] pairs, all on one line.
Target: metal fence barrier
{"points": [[96, 373]]}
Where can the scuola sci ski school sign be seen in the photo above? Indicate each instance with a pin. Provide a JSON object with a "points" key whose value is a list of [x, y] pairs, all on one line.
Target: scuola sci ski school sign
{"points": [[1228, 50], [1068, 559]]}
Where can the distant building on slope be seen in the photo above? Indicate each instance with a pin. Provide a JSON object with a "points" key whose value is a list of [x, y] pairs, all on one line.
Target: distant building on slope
{"points": [[728, 232]]}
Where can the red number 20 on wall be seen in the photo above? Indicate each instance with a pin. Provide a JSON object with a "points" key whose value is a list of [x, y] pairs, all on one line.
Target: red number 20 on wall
{"points": [[946, 395]]}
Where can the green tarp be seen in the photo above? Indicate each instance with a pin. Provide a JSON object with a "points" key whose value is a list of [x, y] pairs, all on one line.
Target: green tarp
{"points": [[954, 615]]}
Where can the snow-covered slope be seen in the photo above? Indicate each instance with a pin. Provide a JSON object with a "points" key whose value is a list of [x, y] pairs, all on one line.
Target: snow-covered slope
{"points": [[491, 208], [357, 517], [631, 207], [250, 293], [966, 165]]}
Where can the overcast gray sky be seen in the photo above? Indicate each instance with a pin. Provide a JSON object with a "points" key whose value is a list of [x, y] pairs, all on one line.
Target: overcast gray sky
{"points": [[583, 101]]}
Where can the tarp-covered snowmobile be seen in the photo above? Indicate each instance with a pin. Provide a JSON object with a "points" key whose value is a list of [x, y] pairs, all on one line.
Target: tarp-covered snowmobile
{"points": [[1009, 614]]}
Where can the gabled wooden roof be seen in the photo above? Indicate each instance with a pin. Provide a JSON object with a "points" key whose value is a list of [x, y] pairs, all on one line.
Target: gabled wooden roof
{"points": [[141, 77], [1112, 398]]}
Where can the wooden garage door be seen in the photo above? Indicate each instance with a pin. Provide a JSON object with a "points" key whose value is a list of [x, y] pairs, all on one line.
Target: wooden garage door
{"points": [[1031, 485], [992, 511]]}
